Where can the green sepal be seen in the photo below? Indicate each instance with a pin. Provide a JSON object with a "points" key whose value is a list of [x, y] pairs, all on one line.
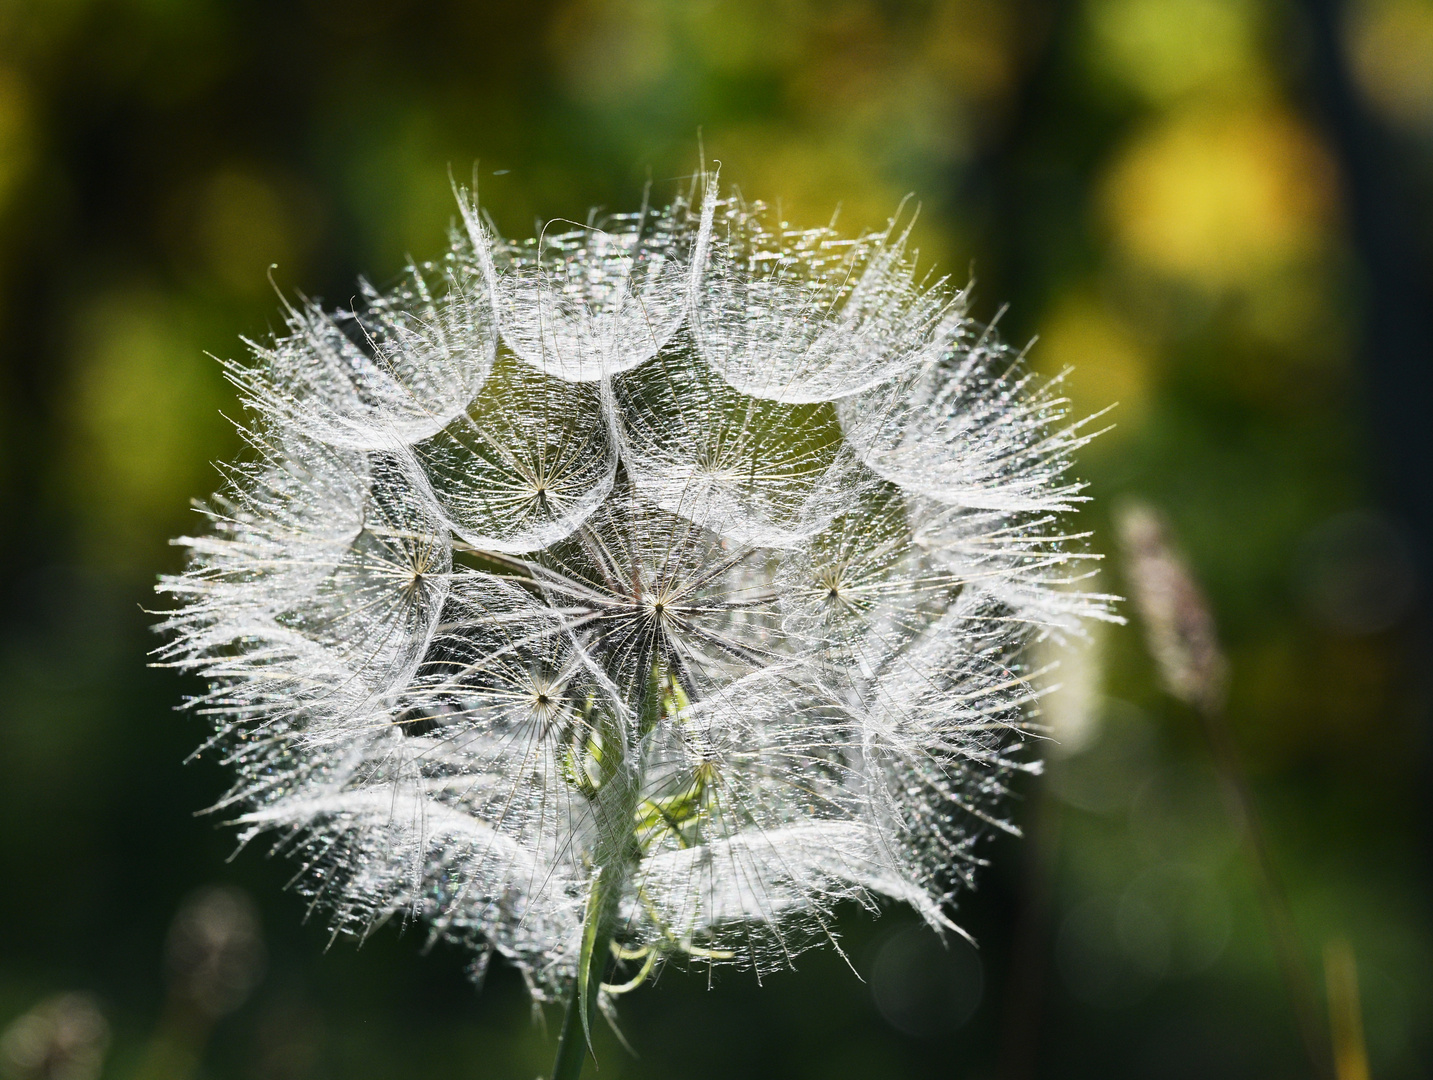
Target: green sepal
{"points": [[591, 932], [679, 815]]}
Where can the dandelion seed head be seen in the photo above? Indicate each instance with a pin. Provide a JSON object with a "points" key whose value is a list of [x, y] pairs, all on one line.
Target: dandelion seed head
{"points": [[677, 567]]}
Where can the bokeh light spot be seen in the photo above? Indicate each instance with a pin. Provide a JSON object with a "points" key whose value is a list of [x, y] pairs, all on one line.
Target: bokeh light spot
{"points": [[144, 403], [923, 986], [1163, 49], [245, 225], [1220, 200], [1357, 573], [1109, 364], [1390, 44]]}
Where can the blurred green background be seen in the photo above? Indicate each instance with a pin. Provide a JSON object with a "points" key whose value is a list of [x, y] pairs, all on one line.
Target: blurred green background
{"points": [[1216, 211]]}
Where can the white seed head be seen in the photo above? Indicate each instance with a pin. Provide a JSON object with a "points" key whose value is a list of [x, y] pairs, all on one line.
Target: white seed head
{"points": [[684, 552]]}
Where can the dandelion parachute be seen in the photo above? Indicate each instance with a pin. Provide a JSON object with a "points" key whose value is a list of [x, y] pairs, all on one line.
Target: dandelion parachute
{"points": [[661, 582]]}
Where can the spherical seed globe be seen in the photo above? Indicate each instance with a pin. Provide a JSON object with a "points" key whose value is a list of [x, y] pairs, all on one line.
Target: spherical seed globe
{"points": [[648, 587]]}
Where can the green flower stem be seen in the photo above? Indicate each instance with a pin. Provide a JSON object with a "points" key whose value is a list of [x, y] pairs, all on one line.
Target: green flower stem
{"points": [[572, 1043], [615, 801]]}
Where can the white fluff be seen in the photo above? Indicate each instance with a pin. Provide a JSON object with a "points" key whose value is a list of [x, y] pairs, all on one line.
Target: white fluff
{"points": [[682, 550]]}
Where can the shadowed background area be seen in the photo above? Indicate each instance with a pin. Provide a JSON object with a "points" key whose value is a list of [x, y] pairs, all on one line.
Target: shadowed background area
{"points": [[1215, 211]]}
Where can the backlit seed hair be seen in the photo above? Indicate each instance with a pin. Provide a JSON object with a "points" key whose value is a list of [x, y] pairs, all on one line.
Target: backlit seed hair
{"points": [[660, 581]]}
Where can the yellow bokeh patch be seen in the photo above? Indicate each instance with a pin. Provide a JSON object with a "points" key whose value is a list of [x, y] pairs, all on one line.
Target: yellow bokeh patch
{"points": [[1220, 199], [1108, 363]]}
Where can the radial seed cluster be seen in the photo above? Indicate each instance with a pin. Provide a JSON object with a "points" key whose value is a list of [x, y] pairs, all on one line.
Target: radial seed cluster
{"points": [[673, 573]]}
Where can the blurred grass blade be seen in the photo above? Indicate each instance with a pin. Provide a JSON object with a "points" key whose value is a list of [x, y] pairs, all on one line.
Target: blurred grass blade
{"points": [[1350, 1057], [1183, 638]]}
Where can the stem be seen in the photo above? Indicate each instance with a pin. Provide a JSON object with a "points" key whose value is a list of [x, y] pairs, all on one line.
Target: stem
{"points": [[615, 803], [1240, 801], [572, 1043]]}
